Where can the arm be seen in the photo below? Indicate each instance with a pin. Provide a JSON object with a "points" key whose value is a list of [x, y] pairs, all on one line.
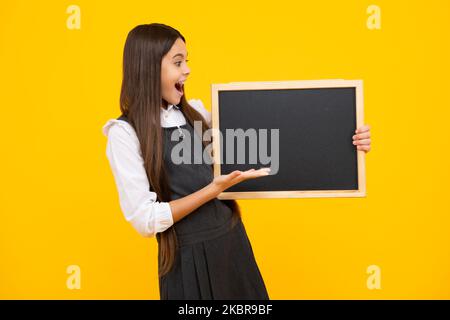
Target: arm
{"points": [[137, 202], [183, 206]]}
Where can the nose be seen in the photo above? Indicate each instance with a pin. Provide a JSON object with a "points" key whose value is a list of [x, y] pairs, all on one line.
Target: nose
{"points": [[187, 71]]}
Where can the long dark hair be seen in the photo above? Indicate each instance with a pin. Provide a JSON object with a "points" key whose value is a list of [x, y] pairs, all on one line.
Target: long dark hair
{"points": [[140, 101]]}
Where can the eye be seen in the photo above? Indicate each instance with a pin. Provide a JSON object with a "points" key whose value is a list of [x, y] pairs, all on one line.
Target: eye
{"points": [[179, 62]]}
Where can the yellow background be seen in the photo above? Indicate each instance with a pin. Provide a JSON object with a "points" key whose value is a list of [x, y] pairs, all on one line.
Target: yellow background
{"points": [[58, 201]]}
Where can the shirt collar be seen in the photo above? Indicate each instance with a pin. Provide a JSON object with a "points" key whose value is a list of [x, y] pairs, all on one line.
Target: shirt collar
{"points": [[169, 107]]}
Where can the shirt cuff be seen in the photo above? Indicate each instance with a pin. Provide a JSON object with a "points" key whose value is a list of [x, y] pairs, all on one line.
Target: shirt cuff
{"points": [[163, 217]]}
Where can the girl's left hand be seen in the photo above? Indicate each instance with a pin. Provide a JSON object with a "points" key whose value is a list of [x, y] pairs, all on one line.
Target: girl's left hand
{"points": [[361, 139]]}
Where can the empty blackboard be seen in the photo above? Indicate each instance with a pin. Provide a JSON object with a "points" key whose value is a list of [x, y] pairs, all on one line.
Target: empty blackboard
{"points": [[312, 155]]}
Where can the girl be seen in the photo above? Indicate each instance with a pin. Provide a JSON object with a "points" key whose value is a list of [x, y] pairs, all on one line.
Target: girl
{"points": [[203, 248]]}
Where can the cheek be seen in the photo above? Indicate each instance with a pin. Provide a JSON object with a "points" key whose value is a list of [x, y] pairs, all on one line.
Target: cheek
{"points": [[168, 79], [164, 85]]}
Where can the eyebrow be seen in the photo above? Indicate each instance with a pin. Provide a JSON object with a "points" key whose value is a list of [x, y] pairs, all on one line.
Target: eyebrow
{"points": [[179, 54]]}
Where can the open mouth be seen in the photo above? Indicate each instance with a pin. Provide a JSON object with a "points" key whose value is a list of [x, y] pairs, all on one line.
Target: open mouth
{"points": [[179, 87]]}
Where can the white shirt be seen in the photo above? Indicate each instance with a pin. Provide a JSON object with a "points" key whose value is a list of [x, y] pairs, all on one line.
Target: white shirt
{"points": [[137, 202]]}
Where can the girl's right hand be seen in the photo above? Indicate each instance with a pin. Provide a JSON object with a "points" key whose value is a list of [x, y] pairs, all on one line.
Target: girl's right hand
{"points": [[225, 181]]}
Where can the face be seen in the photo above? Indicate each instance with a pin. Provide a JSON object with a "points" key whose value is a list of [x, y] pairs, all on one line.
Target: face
{"points": [[174, 72]]}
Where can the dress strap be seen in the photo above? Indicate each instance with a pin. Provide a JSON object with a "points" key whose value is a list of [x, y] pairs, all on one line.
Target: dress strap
{"points": [[123, 117]]}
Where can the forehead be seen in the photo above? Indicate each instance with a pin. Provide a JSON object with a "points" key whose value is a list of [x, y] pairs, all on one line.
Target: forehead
{"points": [[178, 47]]}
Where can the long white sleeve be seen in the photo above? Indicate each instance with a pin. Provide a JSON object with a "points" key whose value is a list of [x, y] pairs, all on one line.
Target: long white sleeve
{"points": [[137, 202]]}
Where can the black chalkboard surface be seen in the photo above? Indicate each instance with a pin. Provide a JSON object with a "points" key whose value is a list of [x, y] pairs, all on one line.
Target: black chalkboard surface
{"points": [[304, 130]]}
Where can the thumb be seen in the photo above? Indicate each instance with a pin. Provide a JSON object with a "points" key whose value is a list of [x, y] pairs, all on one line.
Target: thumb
{"points": [[235, 173]]}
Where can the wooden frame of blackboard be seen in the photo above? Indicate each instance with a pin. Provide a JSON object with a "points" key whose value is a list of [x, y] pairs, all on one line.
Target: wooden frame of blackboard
{"points": [[274, 85]]}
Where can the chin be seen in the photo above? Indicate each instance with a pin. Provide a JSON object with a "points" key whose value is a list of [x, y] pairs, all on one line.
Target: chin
{"points": [[176, 102]]}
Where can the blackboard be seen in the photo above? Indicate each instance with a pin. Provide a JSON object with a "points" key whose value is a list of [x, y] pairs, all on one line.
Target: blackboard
{"points": [[315, 120]]}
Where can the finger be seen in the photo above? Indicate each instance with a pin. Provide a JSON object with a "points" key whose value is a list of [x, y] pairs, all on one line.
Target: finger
{"points": [[364, 135], [261, 171], [362, 129], [250, 174], [246, 173], [254, 171], [238, 179], [234, 174], [257, 173], [363, 148], [361, 142]]}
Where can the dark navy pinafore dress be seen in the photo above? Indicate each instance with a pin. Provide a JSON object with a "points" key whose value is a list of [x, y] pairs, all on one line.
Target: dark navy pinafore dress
{"points": [[214, 259]]}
